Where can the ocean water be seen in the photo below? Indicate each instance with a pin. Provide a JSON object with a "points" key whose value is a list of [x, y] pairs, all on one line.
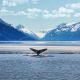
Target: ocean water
{"points": [[19, 65], [42, 43], [44, 67], [53, 46]]}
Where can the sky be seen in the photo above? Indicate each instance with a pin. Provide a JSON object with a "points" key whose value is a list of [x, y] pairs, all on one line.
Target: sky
{"points": [[40, 15]]}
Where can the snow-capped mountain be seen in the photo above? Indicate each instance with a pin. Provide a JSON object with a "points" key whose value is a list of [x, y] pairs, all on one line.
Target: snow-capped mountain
{"points": [[68, 27], [26, 31], [23, 29], [9, 33], [64, 32], [75, 26]]}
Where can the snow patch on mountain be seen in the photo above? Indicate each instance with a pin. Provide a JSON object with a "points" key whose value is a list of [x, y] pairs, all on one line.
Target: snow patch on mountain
{"points": [[23, 29]]}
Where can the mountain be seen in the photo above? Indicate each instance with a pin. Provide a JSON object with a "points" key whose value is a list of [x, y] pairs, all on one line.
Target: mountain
{"points": [[64, 32], [26, 31], [9, 33]]}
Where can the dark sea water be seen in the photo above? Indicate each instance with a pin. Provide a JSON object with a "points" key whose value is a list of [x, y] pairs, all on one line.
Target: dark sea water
{"points": [[44, 67]]}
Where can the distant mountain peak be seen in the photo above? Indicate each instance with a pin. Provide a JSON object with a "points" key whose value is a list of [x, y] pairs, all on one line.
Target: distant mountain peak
{"points": [[68, 27], [63, 27], [26, 31], [23, 29], [64, 32], [19, 26]]}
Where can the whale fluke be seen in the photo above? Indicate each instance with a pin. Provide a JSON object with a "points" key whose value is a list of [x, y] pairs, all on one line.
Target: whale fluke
{"points": [[38, 51]]}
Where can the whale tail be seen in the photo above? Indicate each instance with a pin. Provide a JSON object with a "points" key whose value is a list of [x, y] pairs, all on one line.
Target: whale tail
{"points": [[38, 51]]}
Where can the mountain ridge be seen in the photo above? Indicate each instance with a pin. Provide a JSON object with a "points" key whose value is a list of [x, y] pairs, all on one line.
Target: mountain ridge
{"points": [[9, 33], [63, 32]]}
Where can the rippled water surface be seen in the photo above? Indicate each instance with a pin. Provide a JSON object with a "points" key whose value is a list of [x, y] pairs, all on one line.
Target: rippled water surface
{"points": [[45, 67]]}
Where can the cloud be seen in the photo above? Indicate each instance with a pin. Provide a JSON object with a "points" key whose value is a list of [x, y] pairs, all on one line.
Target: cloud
{"points": [[67, 11], [7, 3], [32, 13], [13, 2], [29, 13], [56, 15], [17, 2], [34, 10], [63, 10], [19, 13], [4, 11], [73, 6], [46, 11], [77, 15], [35, 1], [59, 13]]}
